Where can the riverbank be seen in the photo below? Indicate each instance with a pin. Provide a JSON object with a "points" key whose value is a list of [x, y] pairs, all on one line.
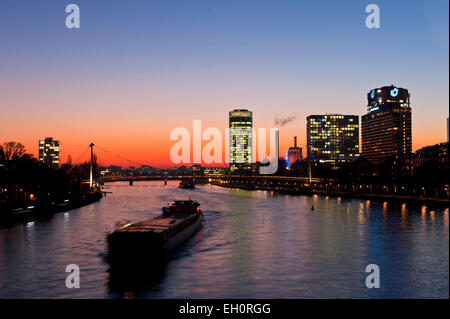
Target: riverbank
{"points": [[45, 211], [342, 194]]}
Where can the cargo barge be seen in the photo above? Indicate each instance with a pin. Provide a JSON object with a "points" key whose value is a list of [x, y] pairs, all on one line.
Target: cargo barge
{"points": [[153, 239]]}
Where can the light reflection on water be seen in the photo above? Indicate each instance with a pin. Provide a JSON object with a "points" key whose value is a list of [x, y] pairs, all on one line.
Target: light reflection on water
{"points": [[252, 245]]}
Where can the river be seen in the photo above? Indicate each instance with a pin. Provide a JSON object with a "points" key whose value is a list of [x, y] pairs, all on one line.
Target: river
{"points": [[253, 244]]}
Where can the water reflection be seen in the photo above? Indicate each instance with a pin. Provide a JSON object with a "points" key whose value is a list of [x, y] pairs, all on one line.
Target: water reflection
{"points": [[404, 211], [446, 219], [253, 244], [424, 216]]}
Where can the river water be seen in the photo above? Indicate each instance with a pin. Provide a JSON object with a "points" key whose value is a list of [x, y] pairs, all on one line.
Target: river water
{"points": [[253, 244]]}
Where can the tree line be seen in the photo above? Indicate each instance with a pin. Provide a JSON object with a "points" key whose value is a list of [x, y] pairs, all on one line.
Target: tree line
{"points": [[24, 180]]}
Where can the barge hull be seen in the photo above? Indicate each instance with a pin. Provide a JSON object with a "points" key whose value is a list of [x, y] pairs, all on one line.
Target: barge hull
{"points": [[173, 242]]}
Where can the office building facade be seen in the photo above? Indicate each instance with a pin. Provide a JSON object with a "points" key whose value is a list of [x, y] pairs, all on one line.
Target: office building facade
{"points": [[240, 125], [332, 138], [49, 152], [386, 128]]}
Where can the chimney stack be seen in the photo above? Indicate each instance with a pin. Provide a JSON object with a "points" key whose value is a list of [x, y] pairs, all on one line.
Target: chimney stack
{"points": [[295, 141]]}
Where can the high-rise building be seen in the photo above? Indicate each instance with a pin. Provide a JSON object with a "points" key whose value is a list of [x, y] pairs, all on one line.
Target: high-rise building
{"points": [[386, 128], [241, 123], [49, 152], [332, 137], [294, 154]]}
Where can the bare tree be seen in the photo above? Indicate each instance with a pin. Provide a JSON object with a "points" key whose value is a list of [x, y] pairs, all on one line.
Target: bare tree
{"points": [[2, 154], [13, 150]]}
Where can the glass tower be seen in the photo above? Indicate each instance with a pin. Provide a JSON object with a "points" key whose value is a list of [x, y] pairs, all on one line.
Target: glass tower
{"points": [[241, 124], [332, 137], [386, 128]]}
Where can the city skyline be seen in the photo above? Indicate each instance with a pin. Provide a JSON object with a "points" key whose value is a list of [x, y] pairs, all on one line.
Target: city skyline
{"points": [[131, 74], [119, 160]]}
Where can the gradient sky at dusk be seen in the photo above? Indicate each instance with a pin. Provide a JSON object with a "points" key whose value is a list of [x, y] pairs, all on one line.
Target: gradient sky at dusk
{"points": [[137, 69]]}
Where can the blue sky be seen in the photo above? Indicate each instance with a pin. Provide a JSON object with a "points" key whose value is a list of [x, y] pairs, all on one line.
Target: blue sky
{"points": [[199, 58]]}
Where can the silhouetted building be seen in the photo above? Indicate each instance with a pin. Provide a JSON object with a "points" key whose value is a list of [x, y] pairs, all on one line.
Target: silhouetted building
{"points": [[215, 171], [146, 170], [294, 154], [111, 170], [332, 137], [196, 169], [401, 165], [436, 154], [241, 124], [49, 152], [386, 128]]}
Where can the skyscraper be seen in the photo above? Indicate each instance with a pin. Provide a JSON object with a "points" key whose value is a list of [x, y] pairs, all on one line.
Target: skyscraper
{"points": [[386, 128], [241, 123], [332, 137], [49, 152], [294, 154]]}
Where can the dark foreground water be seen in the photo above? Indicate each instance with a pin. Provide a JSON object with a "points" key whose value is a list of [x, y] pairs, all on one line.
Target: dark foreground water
{"points": [[252, 245]]}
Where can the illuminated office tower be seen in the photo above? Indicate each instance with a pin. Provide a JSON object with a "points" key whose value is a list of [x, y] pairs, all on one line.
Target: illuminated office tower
{"points": [[386, 128], [241, 140], [294, 154], [332, 137], [49, 152]]}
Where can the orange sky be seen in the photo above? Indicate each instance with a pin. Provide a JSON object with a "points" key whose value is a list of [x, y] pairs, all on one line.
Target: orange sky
{"points": [[153, 147], [129, 76]]}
